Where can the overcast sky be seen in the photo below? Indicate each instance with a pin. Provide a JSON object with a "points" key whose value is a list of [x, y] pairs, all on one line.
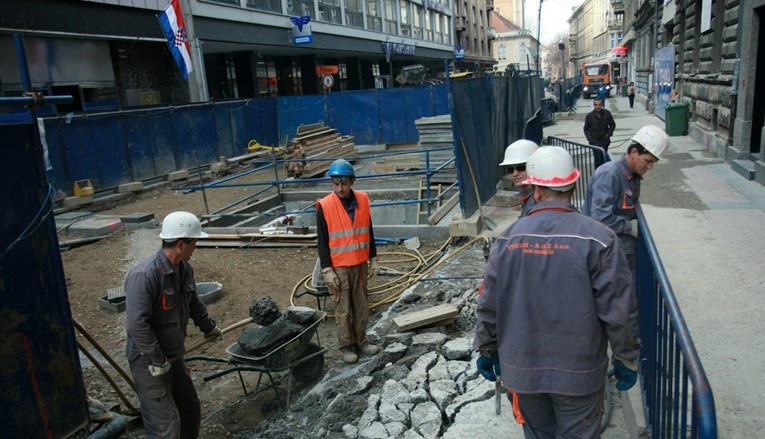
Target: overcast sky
{"points": [[554, 16]]}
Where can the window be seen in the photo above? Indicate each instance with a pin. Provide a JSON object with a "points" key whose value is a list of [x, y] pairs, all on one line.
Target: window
{"points": [[428, 26], [374, 21], [417, 19], [265, 5], [390, 17], [354, 16], [329, 11], [406, 25], [502, 52]]}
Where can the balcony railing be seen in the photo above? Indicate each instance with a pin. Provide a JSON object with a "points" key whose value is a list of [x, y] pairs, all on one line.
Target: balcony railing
{"points": [[330, 14], [374, 23], [265, 5], [354, 19]]}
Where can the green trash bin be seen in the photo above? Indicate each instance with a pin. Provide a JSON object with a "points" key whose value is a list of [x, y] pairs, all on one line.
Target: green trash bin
{"points": [[624, 90], [676, 119]]}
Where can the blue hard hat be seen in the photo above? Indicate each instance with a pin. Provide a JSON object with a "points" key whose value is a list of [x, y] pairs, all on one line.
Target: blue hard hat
{"points": [[340, 168]]}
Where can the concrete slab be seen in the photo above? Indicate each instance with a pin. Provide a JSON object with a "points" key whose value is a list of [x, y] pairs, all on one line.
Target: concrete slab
{"points": [[177, 175], [96, 227], [73, 216], [76, 201], [135, 186], [460, 226], [137, 217]]}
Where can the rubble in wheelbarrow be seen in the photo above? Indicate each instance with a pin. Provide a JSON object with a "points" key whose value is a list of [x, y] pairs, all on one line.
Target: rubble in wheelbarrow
{"points": [[264, 311], [261, 340], [421, 385], [276, 328]]}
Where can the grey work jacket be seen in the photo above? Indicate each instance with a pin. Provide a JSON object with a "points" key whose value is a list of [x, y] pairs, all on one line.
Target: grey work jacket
{"points": [[159, 301], [611, 199], [556, 289]]}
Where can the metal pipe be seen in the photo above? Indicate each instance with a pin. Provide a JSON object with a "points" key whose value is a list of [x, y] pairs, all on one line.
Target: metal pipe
{"points": [[112, 429], [103, 352], [108, 377]]}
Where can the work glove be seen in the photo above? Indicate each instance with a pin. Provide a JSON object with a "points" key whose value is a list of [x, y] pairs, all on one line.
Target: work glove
{"points": [[374, 268], [215, 334], [626, 376], [156, 371], [634, 228], [488, 366], [330, 278]]}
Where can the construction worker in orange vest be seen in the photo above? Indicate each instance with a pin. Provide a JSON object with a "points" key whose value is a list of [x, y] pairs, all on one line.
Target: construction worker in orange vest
{"points": [[348, 258]]}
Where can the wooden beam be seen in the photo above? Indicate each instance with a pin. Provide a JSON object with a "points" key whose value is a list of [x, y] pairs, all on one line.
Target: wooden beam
{"points": [[425, 317], [444, 209]]}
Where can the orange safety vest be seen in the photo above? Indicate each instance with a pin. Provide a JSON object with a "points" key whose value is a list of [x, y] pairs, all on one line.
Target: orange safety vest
{"points": [[348, 242]]}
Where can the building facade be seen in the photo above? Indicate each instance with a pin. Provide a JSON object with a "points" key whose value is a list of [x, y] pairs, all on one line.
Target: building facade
{"points": [[513, 47], [112, 54], [472, 35], [595, 30], [718, 68]]}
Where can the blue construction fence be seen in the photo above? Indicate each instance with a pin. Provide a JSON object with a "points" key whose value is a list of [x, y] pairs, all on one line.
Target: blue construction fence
{"points": [[677, 397], [489, 114], [114, 148]]}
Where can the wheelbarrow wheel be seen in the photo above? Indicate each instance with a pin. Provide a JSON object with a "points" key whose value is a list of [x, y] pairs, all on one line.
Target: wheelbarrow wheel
{"points": [[310, 370]]}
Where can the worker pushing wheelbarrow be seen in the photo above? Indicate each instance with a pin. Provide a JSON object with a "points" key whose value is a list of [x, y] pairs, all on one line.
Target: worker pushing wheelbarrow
{"points": [[299, 355]]}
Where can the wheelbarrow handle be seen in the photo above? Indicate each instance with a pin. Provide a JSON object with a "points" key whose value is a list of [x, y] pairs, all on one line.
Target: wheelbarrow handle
{"points": [[202, 342]]}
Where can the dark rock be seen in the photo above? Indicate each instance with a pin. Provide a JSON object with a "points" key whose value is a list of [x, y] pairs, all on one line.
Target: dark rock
{"points": [[260, 341], [411, 298], [300, 314], [264, 311]]}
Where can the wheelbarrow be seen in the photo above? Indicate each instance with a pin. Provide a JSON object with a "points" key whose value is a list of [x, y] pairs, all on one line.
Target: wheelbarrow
{"points": [[301, 357]]}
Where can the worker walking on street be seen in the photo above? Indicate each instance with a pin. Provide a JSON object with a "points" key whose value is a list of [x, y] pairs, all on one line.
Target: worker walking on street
{"points": [[516, 155], [161, 297], [614, 189], [599, 126], [348, 258], [556, 291]]}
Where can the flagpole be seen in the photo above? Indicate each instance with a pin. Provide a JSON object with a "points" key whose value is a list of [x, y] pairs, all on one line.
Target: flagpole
{"points": [[197, 86]]}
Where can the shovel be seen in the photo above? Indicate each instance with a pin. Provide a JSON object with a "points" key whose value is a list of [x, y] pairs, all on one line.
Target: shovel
{"points": [[414, 245]]}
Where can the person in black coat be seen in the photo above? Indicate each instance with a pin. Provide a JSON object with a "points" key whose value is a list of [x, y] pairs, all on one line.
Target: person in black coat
{"points": [[598, 128]]}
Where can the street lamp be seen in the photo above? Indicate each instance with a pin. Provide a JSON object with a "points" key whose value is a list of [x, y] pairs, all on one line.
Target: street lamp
{"points": [[562, 48]]}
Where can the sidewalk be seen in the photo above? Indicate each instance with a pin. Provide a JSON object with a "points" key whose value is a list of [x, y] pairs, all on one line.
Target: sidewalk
{"points": [[707, 222]]}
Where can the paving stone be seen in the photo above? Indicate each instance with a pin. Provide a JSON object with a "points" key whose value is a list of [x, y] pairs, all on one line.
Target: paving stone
{"points": [[177, 175], [394, 392], [458, 349], [431, 340], [478, 391], [376, 430], [76, 201], [363, 384], [395, 429], [370, 414], [419, 372], [438, 371], [135, 186], [426, 419], [351, 432], [456, 368], [93, 227], [389, 413], [419, 396], [137, 217], [412, 434], [443, 392]]}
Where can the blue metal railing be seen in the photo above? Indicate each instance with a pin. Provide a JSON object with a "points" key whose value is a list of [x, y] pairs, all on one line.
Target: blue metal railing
{"points": [[677, 397], [584, 159]]}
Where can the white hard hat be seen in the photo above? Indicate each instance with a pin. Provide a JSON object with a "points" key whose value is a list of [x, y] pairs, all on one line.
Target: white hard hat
{"points": [[553, 167], [181, 224], [653, 139], [519, 152]]}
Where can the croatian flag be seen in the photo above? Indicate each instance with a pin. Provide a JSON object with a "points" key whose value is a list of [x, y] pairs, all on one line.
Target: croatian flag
{"points": [[174, 28]]}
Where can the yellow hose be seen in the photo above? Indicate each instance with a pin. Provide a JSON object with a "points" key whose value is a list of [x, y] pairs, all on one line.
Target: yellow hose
{"points": [[401, 283]]}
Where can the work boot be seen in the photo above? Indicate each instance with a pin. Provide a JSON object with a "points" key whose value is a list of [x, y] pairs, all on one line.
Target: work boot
{"points": [[349, 355], [369, 348]]}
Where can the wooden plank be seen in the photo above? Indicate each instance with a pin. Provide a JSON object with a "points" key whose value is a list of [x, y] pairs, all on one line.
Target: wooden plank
{"points": [[444, 209], [425, 317], [312, 127]]}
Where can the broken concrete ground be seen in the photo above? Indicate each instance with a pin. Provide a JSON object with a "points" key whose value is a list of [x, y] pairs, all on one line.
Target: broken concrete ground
{"points": [[424, 384]]}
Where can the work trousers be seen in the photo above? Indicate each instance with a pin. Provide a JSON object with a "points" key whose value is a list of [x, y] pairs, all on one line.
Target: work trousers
{"points": [[553, 416], [169, 403], [351, 305]]}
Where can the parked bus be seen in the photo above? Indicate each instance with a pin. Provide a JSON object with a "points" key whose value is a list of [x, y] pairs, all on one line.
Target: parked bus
{"points": [[596, 75]]}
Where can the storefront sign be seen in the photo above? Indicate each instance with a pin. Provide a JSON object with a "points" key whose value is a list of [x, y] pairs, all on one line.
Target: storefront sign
{"points": [[459, 51], [301, 30], [327, 70], [397, 49]]}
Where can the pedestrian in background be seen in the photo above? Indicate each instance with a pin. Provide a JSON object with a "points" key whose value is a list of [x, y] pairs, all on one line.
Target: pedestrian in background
{"points": [[631, 93], [599, 126], [161, 297], [516, 155], [614, 189], [556, 291], [348, 258]]}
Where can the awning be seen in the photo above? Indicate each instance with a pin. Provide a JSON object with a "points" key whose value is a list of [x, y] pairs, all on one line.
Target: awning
{"points": [[629, 36]]}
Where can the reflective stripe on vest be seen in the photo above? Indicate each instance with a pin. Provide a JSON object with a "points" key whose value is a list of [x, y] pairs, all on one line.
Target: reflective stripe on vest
{"points": [[348, 242]]}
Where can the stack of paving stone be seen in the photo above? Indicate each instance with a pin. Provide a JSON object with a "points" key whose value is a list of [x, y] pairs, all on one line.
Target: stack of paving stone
{"points": [[317, 141], [436, 132]]}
